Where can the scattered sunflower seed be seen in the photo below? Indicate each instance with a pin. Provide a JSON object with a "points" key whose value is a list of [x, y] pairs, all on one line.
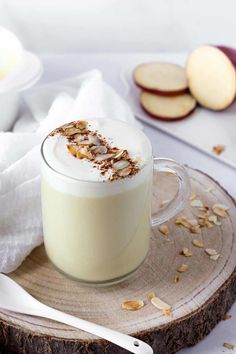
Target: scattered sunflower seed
{"points": [[192, 197], [167, 313], [177, 279], [204, 208], [211, 252], [197, 243], [151, 295], [182, 268], [209, 189], [229, 346], [203, 221], [161, 305], [186, 252], [197, 203], [164, 229], [220, 210], [182, 220], [195, 229], [218, 149], [215, 257], [227, 317], [163, 203], [213, 218], [132, 305]]}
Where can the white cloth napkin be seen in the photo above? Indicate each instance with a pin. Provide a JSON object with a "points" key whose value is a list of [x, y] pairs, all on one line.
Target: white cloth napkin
{"points": [[45, 108]]}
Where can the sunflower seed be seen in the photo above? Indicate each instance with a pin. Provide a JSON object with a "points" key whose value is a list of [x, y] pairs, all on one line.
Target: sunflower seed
{"points": [[186, 252], [161, 305], [211, 252], [164, 229], [132, 305], [220, 210], [119, 165], [182, 268], [197, 243], [103, 157]]}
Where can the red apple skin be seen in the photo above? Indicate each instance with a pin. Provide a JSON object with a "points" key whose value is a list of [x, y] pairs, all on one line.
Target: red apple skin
{"points": [[163, 93], [229, 52], [166, 119]]}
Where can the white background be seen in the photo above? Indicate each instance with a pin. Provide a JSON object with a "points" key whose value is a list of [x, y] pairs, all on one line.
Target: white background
{"points": [[102, 26], [119, 25]]}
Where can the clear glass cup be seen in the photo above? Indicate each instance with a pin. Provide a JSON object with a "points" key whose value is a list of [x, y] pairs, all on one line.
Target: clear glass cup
{"points": [[103, 238]]}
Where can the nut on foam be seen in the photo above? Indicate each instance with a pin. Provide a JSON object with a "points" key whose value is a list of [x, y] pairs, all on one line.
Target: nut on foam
{"points": [[80, 177]]}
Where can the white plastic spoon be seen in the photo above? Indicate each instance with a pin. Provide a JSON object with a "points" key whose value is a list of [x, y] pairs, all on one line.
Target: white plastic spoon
{"points": [[14, 298]]}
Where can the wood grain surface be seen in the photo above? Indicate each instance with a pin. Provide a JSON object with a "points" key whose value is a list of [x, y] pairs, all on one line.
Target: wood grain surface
{"points": [[199, 300]]}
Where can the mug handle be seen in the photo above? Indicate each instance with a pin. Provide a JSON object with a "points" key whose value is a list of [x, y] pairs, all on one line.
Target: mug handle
{"points": [[182, 195]]}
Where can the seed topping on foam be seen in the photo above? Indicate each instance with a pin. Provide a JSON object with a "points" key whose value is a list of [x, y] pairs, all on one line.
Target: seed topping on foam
{"points": [[90, 145]]}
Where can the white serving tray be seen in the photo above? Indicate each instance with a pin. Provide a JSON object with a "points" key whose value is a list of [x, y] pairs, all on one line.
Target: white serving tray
{"points": [[203, 129]]}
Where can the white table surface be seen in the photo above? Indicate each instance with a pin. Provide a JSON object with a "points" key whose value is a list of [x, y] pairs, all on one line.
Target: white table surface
{"points": [[58, 67]]}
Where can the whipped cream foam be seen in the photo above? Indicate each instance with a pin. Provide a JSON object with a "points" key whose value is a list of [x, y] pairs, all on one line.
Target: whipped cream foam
{"points": [[61, 163]]}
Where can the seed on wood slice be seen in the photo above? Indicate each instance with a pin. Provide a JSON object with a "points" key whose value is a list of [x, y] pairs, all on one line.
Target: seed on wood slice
{"points": [[227, 317], [215, 257], [186, 252], [151, 295], [192, 197], [209, 189], [182, 220], [197, 243], [161, 305], [204, 221], [177, 279], [229, 346], [164, 229], [205, 209], [132, 305], [197, 203], [195, 229], [164, 202], [167, 313], [213, 218], [182, 268], [220, 210], [211, 252]]}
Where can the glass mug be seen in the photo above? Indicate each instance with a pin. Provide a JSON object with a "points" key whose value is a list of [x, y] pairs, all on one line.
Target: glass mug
{"points": [[99, 232]]}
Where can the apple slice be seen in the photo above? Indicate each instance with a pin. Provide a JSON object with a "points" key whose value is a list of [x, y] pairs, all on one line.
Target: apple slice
{"points": [[161, 78], [211, 77], [167, 108]]}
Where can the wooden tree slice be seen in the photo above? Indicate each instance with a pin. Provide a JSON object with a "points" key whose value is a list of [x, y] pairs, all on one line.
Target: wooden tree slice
{"points": [[204, 294]]}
